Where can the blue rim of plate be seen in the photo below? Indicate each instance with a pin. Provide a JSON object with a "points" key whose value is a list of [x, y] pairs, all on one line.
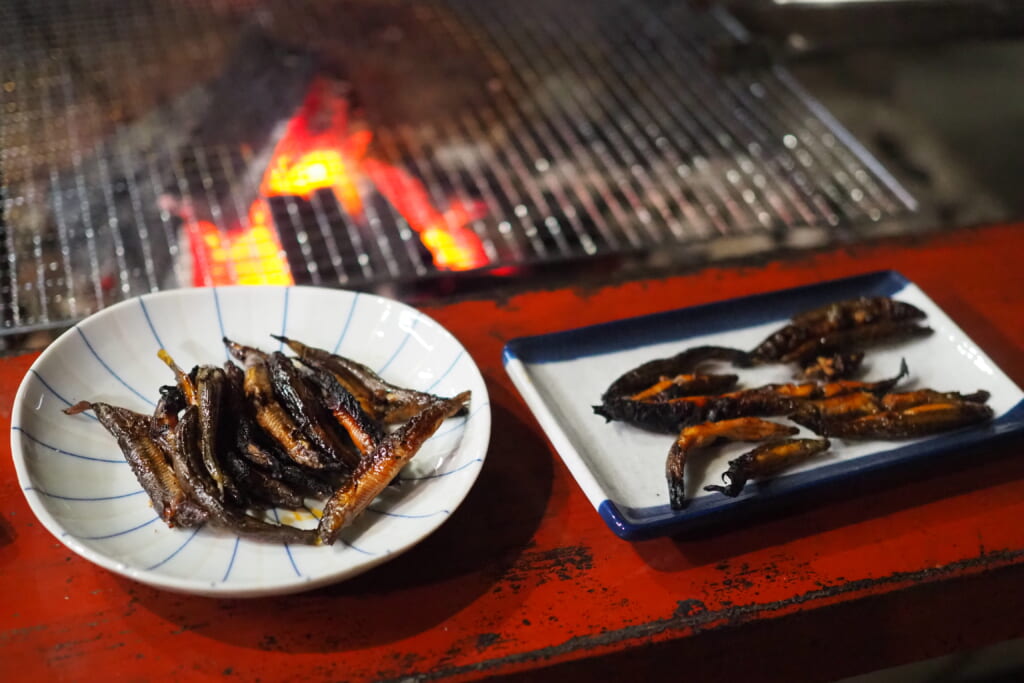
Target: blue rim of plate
{"points": [[633, 523]]}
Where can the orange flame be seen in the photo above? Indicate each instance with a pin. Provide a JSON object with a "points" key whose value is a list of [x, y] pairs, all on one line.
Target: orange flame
{"points": [[445, 235], [320, 150], [251, 256]]}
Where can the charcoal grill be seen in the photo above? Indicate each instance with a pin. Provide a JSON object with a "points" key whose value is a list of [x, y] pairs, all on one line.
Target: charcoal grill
{"points": [[170, 143]]}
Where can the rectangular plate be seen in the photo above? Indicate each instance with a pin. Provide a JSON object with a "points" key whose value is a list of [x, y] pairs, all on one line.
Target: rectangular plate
{"points": [[621, 468]]}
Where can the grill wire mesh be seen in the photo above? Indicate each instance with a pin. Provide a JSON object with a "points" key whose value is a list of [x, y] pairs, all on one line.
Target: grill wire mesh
{"points": [[571, 130]]}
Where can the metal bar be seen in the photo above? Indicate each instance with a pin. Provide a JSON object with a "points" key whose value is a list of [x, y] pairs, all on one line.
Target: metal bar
{"points": [[837, 141], [390, 143], [207, 182], [106, 183], [13, 124], [356, 268], [654, 122], [851, 143], [833, 182], [716, 122], [737, 120], [235, 184], [684, 51], [128, 166], [602, 130], [80, 189], [316, 201], [329, 239], [619, 143], [581, 139], [547, 131], [408, 239], [480, 184]]}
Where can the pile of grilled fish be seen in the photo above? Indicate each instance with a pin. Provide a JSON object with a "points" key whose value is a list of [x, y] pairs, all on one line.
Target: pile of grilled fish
{"points": [[671, 395], [227, 441]]}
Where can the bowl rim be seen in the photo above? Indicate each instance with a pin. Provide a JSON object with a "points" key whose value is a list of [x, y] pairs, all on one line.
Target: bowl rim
{"points": [[481, 421]]}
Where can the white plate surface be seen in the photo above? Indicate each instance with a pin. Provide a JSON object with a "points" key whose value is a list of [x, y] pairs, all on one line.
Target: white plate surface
{"points": [[621, 468]]}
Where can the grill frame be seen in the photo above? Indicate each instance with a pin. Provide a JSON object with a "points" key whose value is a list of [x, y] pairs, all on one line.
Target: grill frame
{"points": [[603, 134]]}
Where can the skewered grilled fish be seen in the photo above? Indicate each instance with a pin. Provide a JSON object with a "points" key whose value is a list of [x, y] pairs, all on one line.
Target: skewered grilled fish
{"points": [[766, 461], [766, 401], [377, 470], [707, 434], [684, 363], [380, 399], [148, 461], [860, 321]]}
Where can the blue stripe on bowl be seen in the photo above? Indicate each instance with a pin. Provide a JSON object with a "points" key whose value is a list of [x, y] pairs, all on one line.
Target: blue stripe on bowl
{"points": [[220, 320], [356, 548], [348, 321], [401, 346], [685, 323], [284, 320], [291, 558], [117, 533], [464, 423], [178, 550], [445, 373], [438, 475], [59, 396], [76, 499], [451, 430], [400, 515], [231, 562], [55, 449], [149, 321], [110, 370]]}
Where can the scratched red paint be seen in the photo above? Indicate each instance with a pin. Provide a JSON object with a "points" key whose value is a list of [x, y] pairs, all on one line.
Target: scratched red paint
{"points": [[525, 574]]}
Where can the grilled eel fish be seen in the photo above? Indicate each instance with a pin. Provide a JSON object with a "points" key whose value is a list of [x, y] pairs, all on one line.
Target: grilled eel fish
{"points": [[271, 415], [381, 400], [840, 326], [252, 444], [766, 461], [364, 431], [818, 416], [704, 435], [189, 470], [857, 337], [667, 388], [919, 420], [855, 312], [303, 402], [772, 399], [644, 376], [378, 468], [831, 367], [203, 388], [148, 462]]}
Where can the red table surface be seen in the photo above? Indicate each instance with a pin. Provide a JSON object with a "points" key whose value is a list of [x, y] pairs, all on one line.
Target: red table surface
{"points": [[525, 580]]}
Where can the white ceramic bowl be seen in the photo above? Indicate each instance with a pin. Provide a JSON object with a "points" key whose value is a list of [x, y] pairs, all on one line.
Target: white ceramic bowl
{"points": [[82, 490]]}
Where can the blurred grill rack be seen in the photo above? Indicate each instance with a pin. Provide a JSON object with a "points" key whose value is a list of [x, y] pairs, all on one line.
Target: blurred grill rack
{"points": [[578, 130]]}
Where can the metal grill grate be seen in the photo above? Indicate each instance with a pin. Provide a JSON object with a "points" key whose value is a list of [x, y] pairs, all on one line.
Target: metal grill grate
{"points": [[136, 142]]}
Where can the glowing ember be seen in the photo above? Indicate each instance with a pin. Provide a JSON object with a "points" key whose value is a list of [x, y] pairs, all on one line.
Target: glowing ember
{"points": [[318, 169], [453, 246], [256, 253], [320, 150], [250, 256]]}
